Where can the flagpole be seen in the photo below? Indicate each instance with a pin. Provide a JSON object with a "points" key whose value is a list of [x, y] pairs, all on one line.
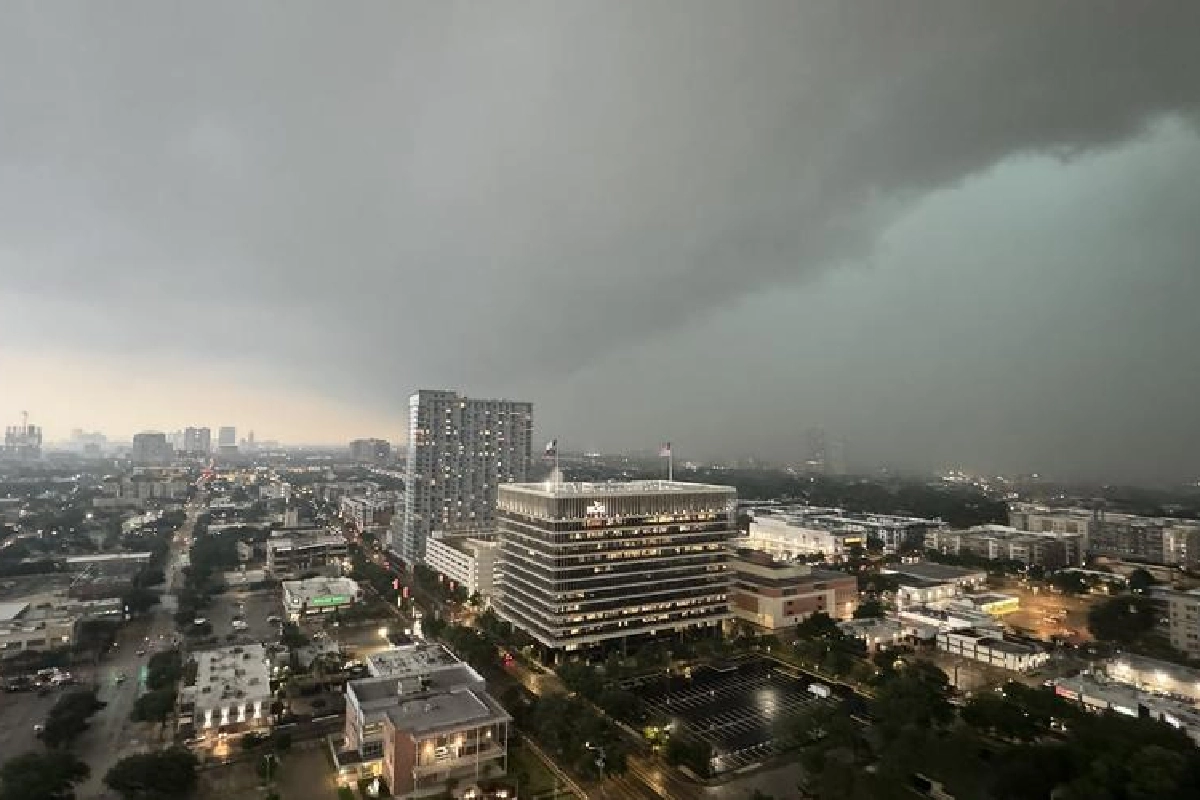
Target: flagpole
{"points": [[671, 464]]}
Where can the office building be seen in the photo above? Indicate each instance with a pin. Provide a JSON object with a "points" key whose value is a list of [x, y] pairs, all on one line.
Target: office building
{"points": [[1049, 549], [197, 441], [467, 561], [584, 564], [24, 627], [1179, 618], [315, 596], [423, 722], [232, 693], [776, 595], [292, 553], [227, 436], [459, 451], [371, 451], [151, 449]]}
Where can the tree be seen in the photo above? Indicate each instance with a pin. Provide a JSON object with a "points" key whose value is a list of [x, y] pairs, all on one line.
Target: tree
{"points": [[1140, 581], [916, 700], [1123, 619], [164, 669], [69, 717], [164, 775], [41, 776], [818, 625], [869, 609], [153, 706], [1000, 717]]}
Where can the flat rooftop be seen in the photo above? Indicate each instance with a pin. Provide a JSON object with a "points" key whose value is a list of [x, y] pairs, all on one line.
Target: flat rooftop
{"points": [[412, 660], [321, 587], [231, 675], [446, 711], [10, 611], [933, 572], [613, 488], [457, 676]]}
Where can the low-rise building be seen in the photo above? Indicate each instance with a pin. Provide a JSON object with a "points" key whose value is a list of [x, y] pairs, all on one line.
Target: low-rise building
{"points": [[1156, 676], [926, 622], [23, 628], [989, 648], [291, 553], [423, 721], [775, 594], [318, 596], [232, 693], [913, 591], [796, 531], [991, 603], [965, 578], [469, 560], [876, 633], [1098, 693]]}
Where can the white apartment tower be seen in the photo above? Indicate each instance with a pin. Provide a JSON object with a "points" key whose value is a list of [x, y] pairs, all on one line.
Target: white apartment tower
{"points": [[459, 451]]}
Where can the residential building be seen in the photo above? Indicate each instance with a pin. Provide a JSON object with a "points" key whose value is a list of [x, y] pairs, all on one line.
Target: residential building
{"points": [[1155, 540], [315, 596], [795, 531], [148, 485], [467, 560], [423, 722], [776, 594], [371, 451], [1049, 549], [584, 564], [151, 449], [232, 693], [1180, 618], [460, 450], [292, 553], [197, 441], [997, 651]]}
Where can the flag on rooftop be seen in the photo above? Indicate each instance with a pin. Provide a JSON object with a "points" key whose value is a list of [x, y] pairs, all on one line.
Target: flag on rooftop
{"points": [[665, 450]]}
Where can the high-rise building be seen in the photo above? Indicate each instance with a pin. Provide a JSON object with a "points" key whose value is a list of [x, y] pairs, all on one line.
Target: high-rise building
{"points": [[23, 442], [151, 449], [227, 436], [197, 441], [459, 451], [370, 451], [582, 564]]}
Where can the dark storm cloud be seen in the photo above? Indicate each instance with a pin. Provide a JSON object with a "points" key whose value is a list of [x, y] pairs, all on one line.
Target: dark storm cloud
{"points": [[503, 194]]}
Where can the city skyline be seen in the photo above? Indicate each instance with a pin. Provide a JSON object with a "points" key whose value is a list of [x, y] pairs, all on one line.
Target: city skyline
{"points": [[964, 238]]}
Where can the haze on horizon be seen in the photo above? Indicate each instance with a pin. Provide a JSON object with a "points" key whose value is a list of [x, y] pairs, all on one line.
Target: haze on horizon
{"points": [[951, 233]]}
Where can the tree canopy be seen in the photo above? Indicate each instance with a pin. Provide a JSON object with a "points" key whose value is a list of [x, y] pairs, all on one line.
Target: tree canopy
{"points": [[163, 775], [41, 776], [69, 717]]}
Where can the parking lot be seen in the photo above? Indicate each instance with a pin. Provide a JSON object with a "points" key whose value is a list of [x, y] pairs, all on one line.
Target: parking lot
{"points": [[253, 607], [19, 712], [737, 710]]}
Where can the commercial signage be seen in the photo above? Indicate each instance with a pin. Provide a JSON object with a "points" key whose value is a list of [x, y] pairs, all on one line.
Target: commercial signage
{"points": [[596, 509], [331, 600]]}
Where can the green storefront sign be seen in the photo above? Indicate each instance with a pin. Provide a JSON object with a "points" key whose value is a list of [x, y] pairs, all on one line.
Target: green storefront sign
{"points": [[331, 600]]}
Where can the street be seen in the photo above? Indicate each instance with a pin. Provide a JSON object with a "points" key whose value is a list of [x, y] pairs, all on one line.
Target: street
{"points": [[111, 735]]}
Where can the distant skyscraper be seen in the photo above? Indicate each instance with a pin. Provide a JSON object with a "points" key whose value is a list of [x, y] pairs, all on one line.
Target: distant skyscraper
{"points": [[23, 442], [151, 449], [227, 436], [197, 441], [370, 451], [459, 451]]}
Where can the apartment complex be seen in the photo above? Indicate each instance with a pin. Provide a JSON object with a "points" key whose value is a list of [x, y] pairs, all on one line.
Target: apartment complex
{"points": [[423, 722], [1155, 540], [460, 450], [467, 560], [1180, 618], [774, 594], [367, 512], [582, 564], [790, 532], [1049, 549]]}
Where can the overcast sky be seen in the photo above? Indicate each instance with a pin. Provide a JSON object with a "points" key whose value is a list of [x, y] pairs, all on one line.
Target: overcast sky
{"points": [[953, 233]]}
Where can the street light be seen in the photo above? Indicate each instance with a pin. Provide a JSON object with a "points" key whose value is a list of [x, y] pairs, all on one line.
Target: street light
{"points": [[599, 757]]}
